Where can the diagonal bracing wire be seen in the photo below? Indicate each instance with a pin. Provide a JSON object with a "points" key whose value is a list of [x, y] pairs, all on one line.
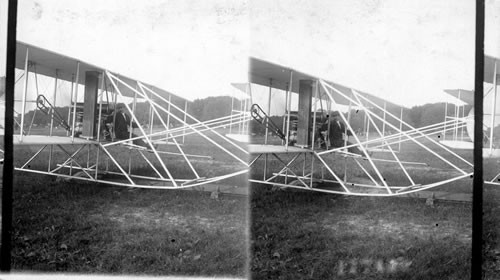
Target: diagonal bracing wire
{"points": [[142, 130], [388, 146], [404, 133], [363, 149]]}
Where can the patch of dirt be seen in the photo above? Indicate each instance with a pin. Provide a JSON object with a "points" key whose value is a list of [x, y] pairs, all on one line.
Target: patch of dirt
{"points": [[401, 230], [142, 217]]}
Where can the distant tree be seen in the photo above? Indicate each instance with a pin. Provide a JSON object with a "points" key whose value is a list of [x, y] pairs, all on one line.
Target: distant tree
{"points": [[196, 108], [415, 115], [210, 108], [432, 114]]}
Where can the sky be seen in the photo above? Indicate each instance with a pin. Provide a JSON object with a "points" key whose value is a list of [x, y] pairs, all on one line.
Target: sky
{"points": [[3, 36], [492, 28], [404, 51], [193, 48]]}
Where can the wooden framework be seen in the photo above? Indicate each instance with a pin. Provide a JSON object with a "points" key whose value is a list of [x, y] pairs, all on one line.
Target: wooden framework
{"points": [[491, 148], [170, 158], [339, 170]]}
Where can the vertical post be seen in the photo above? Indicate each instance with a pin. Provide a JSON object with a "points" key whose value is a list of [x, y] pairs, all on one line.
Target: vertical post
{"points": [[134, 103], [75, 88], [494, 104], [457, 114], [242, 116], [266, 131], [268, 111], [151, 115], [100, 121], [132, 114], [289, 108], [168, 109], [367, 133], [329, 110], [185, 124], [313, 137], [364, 121], [445, 118], [400, 129], [90, 94], [54, 96], [70, 101], [462, 128], [383, 123], [346, 136], [248, 91], [231, 115], [283, 127], [241, 126], [304, 165], [88, 155], [245, 124], [115, 99], [304, 114], [25, 92]]}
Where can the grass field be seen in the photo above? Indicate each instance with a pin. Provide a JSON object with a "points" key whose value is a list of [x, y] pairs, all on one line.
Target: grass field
{"points": [[80, 227], [491, 222], [305, 235]]}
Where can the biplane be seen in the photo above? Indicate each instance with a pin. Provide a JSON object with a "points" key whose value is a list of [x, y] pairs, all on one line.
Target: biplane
{"points": [[371, 163], [168, 148], [463, 133], [240, 102]]}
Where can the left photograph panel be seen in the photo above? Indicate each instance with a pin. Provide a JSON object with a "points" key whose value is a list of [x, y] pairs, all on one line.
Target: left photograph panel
{"points": [[130, 137], [3, 62]]}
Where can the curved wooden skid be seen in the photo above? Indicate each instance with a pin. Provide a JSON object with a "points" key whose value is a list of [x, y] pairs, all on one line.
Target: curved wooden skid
{"points": [[401, 193], [150, 184], [295, 172], [115, 167]]}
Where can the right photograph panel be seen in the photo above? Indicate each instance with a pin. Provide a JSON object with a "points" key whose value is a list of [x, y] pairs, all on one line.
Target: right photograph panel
{"points": [[361, 144], [491, 141]]}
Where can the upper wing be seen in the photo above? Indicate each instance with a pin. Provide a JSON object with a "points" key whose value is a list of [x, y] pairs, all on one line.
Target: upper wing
{"points": [[2, 86], [276, 76], [490, 63], [466, 96], [243, 87], [47, 63]]}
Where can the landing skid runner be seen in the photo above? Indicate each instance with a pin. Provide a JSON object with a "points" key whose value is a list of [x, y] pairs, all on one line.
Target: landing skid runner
{"points": [[296, 171], [111, 170]]}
